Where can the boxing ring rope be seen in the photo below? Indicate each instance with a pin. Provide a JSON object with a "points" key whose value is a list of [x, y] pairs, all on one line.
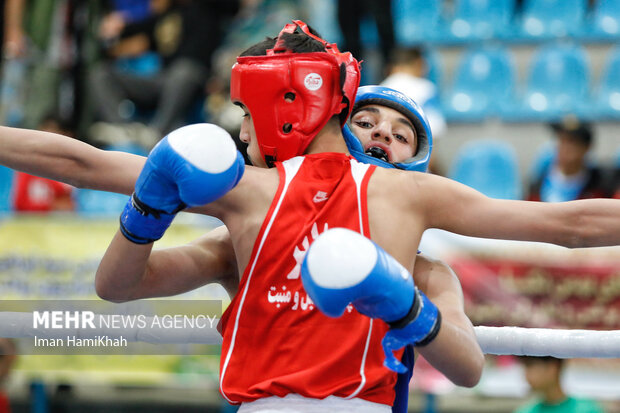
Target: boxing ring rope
{"points": [[493, 340], [549, 342]]}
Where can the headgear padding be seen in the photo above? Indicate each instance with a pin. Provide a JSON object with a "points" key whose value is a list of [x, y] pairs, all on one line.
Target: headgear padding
{"points": [[384, 96], [292, 96]]}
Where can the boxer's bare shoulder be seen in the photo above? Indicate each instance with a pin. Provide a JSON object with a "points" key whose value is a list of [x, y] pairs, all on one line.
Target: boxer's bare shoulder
{"points": [[243, 209], [391, 197], [254, 191]]}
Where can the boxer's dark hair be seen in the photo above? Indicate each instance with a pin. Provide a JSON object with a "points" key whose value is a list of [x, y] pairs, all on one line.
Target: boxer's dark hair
{"points": [[298, 42]]}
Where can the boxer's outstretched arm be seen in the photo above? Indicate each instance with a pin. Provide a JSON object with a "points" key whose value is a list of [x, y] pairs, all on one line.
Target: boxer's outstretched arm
{"points": [[454, 207], [455, 351], [68, 160], [168, 271]]}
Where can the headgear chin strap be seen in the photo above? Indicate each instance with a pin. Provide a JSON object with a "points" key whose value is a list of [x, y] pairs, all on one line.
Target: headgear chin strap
{"points": [[384, 96], [292, 96]]}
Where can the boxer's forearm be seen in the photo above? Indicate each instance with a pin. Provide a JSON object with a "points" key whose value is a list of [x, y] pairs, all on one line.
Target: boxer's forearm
{"points": [[455, 351], [122, 269], [457, 208], [42, 153], [130, 272], [68, 160]]}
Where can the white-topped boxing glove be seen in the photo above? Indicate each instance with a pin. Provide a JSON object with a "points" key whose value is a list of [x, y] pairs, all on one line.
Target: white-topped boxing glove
{"points": [[342, 267], [191, 166]]}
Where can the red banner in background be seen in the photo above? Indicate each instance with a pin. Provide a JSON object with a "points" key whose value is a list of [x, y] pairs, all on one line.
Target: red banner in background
{"points": [[501, 292]]}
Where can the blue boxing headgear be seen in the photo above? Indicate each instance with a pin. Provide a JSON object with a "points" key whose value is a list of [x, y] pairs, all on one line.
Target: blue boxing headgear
{"points": [[384, 96]]}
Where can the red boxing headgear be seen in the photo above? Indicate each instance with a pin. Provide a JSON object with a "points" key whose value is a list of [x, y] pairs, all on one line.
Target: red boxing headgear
{"points": [[291, 96]]}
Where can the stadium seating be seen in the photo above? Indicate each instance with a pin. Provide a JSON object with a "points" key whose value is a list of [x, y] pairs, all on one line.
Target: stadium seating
{"points": [[557, 84], [433, 62], [548, 19], [606, 98], [604, 21], [489, 166], [6, 188], [483, 85], [481, 19], [416, 21]]}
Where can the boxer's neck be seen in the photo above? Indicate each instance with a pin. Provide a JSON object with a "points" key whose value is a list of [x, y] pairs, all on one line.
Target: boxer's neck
{"points": [[329, 139]]}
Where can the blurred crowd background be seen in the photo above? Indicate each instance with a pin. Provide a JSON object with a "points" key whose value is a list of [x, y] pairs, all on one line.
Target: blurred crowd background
{"points": [[523, 98]]}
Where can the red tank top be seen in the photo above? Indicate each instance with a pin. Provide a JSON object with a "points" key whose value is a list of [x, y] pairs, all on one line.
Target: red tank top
{"points": [[276, 342]]}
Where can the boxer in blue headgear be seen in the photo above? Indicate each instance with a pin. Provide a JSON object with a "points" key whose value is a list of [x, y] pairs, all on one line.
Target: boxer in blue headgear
{"points": [[376, 153], [371, 150]]}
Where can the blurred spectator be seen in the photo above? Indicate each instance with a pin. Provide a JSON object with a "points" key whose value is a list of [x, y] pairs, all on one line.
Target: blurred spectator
{"points": [[63, 399], [184, 34], [407, 73], [52, 56], [350, 15], [543, 374], [7, 359], [121, 13], [254, 19], [42, 66], [569, 174], [13, 42], [36, 194], [12, 28]]}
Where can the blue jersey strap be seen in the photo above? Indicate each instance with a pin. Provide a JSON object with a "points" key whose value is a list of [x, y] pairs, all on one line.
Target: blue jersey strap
{"points": [[401, 401]]}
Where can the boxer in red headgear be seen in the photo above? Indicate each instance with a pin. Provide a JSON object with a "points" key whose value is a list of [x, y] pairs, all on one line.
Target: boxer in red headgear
{"points": [[291, 96], [294, 93]]}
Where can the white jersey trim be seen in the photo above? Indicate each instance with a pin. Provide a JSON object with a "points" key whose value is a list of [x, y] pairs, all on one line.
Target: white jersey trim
{"points": [[291, 167], [358, 171]]}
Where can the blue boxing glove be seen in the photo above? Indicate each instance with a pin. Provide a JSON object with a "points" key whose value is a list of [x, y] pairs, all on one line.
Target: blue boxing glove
{"points": [[343, 267], [192, 166]]}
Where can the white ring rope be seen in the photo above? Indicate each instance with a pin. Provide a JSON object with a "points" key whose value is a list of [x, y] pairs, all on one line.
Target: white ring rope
{"points": [[549, 342], [493, 340]]}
